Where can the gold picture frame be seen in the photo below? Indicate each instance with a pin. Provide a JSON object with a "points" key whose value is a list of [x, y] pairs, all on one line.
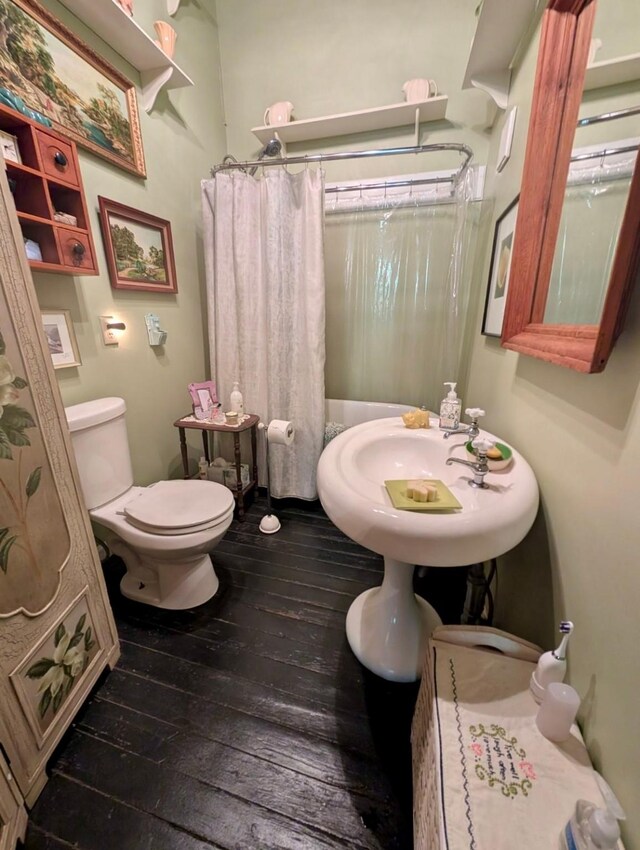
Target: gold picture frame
{"points": [[75, 91], [61, 338]]}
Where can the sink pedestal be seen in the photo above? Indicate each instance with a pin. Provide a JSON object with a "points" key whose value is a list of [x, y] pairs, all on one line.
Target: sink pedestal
{"points": [[388, 626]]}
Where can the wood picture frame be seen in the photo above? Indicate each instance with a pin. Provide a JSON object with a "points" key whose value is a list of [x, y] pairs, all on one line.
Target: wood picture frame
{"points": [[499, 271], [74, 90], [139, 248], [61, 338], [10, 147]]}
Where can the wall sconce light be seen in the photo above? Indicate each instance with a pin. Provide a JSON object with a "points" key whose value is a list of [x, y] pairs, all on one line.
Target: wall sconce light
{"points": [[111, 329]]}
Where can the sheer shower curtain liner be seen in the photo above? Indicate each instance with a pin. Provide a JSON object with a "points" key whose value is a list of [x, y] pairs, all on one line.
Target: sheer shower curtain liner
{"points": [[263, 241], [398, 292]]}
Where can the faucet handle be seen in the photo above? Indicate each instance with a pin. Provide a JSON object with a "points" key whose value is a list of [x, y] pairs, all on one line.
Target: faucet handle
{"points": [[474, 412], [482, 446]]}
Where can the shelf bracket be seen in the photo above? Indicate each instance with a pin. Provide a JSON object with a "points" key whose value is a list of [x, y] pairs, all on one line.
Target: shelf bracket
{"points": [[417, 127], [495, 84], [152, 82]]}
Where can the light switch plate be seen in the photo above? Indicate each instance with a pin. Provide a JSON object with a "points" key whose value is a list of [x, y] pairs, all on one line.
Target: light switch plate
{"points": [[109, 337]]}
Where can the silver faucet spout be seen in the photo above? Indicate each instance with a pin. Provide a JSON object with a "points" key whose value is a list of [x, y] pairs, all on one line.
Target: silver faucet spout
{"points": [[472, 431], [480, 468]]}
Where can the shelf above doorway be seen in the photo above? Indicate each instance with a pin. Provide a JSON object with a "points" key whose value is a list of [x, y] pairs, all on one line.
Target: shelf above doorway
{"points": [[126, 37], [613, 72], [362, 121], [491, 56]]}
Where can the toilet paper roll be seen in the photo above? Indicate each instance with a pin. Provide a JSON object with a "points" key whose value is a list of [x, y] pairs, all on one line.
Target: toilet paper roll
{"points": [[280, 432]]}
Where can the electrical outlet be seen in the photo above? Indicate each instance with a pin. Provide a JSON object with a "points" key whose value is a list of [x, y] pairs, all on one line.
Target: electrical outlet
{"points": [[109, 336]]}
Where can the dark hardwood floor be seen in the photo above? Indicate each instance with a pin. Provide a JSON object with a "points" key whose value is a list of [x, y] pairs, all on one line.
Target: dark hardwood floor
{"points": [[244, 723]]}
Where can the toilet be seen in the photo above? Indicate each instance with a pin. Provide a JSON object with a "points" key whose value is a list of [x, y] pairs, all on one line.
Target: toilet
{"points": [[163, 533]]}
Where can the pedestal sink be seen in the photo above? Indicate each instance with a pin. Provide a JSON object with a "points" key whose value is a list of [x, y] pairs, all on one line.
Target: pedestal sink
{"points": [[388, 626]]}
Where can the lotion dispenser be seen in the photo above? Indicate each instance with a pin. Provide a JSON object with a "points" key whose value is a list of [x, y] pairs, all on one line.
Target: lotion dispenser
{"points": [[237, 402], [450, 409], [552, 666]]}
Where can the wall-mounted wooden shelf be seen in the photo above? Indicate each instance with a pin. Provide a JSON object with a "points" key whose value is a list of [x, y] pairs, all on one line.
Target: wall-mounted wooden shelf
{"points": [[363, 121], [613, 72], [502, 25], [126, 37], [49, 179]]}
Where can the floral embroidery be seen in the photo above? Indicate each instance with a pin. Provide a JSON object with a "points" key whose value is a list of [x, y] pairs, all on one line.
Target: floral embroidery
{"points": [[59, 673], [14, 420], [500, 761]]}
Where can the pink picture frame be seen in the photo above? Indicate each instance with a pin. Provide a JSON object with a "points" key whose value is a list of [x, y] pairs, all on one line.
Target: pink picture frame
{"points": [[204, 398]]}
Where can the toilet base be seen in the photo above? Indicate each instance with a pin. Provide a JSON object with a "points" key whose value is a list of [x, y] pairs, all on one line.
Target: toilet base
{"points": [[166, 584]]}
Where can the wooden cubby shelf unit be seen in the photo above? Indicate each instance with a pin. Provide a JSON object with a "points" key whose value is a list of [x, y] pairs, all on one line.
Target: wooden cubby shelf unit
{"points": [[46, 181]]}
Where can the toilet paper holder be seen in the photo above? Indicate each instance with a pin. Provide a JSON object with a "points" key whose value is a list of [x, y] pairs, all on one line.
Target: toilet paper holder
{"points": [[280, 432]]}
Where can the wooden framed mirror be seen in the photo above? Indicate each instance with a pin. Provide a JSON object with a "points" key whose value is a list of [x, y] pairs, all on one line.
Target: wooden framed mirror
{"points": [[562, 60]]}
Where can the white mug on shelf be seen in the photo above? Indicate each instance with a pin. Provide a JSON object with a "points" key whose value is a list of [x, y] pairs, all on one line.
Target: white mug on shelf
{"points": [[278, 113], [418, 90]]}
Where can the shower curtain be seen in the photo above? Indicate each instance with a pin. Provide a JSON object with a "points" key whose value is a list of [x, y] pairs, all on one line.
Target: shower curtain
{"points": [[398, 293], [263, 242]]}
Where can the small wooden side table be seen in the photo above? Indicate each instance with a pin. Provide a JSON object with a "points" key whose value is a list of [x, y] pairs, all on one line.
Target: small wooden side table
{"points": [[250, 423]]}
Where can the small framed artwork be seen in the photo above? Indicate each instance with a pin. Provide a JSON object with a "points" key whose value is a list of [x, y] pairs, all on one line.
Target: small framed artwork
{"points": [[499, 272], [204, 398], [139, 249], [10, 147], [58, 330]]}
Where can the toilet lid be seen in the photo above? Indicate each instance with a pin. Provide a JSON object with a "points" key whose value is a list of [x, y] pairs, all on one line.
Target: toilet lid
{"points": [[169, 506]]}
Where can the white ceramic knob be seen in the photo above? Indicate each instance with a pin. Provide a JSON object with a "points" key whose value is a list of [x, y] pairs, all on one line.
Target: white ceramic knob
{"points": [[474, 412]]}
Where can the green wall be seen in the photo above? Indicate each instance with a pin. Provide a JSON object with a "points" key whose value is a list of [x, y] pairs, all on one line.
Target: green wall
{"points": [[183, 136], [334, 57], [580, 433]]}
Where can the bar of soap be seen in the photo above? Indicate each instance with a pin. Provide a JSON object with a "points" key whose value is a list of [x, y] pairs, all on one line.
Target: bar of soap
{"points": [[494, 453], [420, 491]]}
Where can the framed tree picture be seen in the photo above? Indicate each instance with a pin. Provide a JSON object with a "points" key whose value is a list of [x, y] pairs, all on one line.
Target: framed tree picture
{"points": [[49, 75], [499, 271], [139, 248]]}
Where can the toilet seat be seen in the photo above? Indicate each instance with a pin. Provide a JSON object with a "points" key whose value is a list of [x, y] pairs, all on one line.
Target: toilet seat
{"points": [[180, 507]]}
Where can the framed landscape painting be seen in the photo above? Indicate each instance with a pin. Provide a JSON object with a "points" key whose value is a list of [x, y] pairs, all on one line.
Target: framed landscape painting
{"points": [[139, 248], [49, 75]]}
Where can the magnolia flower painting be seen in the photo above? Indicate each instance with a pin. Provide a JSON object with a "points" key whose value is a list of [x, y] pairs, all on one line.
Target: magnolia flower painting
{"points": [[48, 676]]}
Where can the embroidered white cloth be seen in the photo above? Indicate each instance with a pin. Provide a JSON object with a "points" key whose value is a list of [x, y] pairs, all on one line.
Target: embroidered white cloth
{"points": [[501, 783]]}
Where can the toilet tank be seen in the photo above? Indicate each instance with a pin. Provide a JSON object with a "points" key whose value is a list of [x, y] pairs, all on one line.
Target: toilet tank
{"points": [[101, 447]]}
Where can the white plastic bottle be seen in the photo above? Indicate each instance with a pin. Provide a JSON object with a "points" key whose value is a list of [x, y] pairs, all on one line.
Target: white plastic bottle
{"points": [[203, 468], [590, 828], [237, 402], [450, 409]]}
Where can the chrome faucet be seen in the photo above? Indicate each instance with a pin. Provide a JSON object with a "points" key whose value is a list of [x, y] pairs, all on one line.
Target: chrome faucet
{"points": [[472, 431], [480, 466]]}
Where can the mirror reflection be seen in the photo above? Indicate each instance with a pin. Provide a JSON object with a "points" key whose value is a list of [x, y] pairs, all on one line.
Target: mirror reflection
{"points": [[594, 204]]}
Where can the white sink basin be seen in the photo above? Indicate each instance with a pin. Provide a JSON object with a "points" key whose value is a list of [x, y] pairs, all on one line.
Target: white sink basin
{"points": [[351, 476], [388, 626]]}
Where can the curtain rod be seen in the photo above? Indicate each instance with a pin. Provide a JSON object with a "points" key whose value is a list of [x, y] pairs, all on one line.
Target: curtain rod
{"points": [[326, 157], [390, 184], [604, 152], [609, 116]]}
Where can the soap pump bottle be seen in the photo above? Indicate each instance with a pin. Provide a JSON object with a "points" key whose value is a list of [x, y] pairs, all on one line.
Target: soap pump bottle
{"points": [[450, 409], [594, 828], [552, 666], [237, 402]]}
